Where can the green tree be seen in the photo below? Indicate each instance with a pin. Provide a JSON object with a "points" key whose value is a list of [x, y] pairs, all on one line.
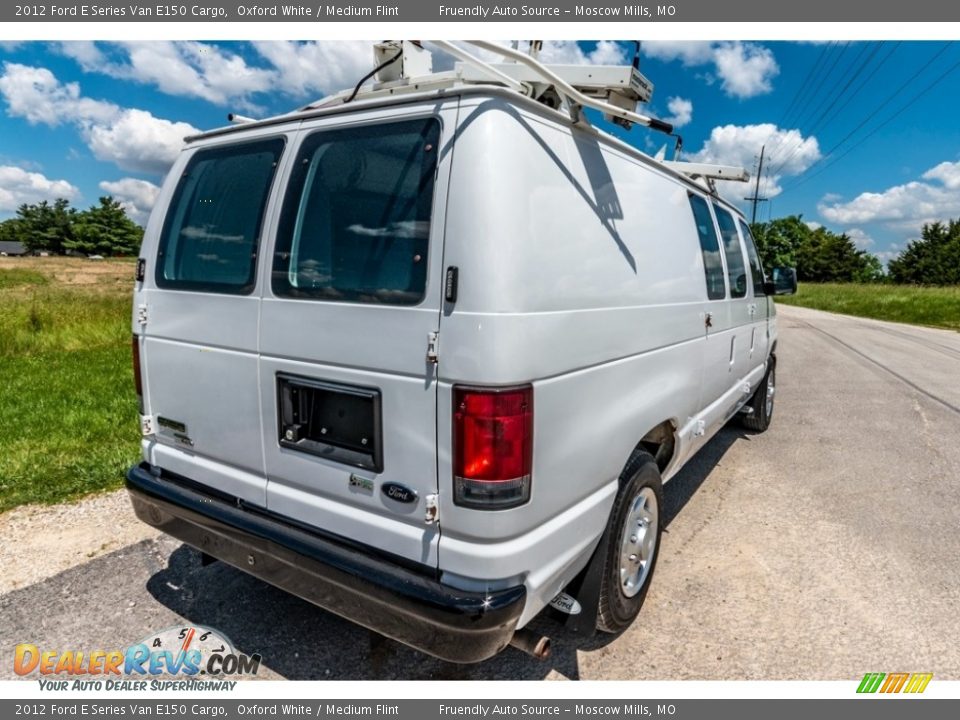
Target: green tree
{"points": [[818, 254], [46, 227], [934, 259], [105, 229], [10, 230], [778, 240]]}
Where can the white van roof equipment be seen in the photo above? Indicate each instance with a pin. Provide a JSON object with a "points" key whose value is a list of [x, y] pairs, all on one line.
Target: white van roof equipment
{"points": [[406, 66]]}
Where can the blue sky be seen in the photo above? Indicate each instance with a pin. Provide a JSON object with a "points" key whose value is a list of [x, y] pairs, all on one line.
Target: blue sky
{"points": [[83, 119]]}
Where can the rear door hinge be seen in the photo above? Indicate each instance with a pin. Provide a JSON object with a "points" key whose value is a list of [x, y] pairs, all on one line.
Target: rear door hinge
{"points": [[142, 314], [146, 425], [430, 513], [433, 338]]}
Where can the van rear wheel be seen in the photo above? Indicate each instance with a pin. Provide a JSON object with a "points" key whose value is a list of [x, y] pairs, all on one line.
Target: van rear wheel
{"points": [[761, 404], [634, 530]]}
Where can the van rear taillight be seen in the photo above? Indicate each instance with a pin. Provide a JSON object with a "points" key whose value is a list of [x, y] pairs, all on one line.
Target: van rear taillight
{"points": [[492, 446], [137, 377]]}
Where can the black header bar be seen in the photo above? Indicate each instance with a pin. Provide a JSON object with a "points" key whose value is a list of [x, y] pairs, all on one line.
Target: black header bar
{"points": [[464, 10]]}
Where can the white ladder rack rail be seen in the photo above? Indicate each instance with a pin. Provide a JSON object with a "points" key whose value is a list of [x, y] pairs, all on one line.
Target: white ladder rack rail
{"points": [[708, 172]]}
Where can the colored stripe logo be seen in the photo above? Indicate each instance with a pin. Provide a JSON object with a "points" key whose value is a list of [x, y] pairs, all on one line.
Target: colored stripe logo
{"points": [[894, 682]]}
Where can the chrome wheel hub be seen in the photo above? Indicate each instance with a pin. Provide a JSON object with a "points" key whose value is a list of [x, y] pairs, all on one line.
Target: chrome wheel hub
{"points": [[771, 389], [638, 542]]}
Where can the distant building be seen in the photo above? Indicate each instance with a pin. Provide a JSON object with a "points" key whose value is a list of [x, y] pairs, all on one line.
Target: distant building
{"points": [[11, 248]]}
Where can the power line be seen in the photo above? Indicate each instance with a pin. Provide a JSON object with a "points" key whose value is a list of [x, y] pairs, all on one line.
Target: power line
{"points": [[878, 128], [881, 106], [869, 77], [802, 96], [833, 99], [827, 93], [801, 91]]}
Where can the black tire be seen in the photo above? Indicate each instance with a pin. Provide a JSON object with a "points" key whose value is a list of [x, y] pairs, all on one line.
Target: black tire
{"points": [[759, 419], [640, 482]]}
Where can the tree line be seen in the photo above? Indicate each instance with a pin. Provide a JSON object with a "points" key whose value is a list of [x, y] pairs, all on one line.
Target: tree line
{"points": [[56, 228], [820, 255]]}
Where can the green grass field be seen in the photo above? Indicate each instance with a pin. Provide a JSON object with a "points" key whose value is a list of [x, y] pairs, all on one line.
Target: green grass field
{"points": [[931, 306], [68, 413]]}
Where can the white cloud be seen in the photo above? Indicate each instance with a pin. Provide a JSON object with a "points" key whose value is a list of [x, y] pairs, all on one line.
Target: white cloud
{"points": [[34, 93], [187, 68], [681, 112], [132, 139], [744, 69], [812, 225], [946, 172], [861, 239], [18, 186], [311, 70], [136, 196], [568, 52], [739, 145], [10, 45], [689, 52], [86, 52], [136, 140], [902, 206]]}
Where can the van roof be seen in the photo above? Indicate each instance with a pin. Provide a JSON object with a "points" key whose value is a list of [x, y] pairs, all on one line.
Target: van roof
{"points": [[464, 90]]}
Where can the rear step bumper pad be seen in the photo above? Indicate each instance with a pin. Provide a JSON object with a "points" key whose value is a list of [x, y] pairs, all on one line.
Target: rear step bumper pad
{"points": [[451, 624]]}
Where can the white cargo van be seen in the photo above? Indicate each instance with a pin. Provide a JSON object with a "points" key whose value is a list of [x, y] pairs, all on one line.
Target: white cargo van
{"points": [[423, 354]]}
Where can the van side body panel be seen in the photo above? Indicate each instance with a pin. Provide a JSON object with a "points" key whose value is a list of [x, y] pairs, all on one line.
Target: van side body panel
{"points": [[580, 271]]}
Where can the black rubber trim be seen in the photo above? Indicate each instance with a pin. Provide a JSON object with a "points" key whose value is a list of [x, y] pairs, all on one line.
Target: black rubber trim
{"points": [[417, 610]]}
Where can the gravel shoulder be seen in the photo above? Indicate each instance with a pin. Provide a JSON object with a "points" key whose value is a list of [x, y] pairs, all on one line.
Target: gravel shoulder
{"points": [[41, 541]]}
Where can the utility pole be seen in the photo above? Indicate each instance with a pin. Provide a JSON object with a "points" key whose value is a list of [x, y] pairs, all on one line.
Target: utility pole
{"points": [[756, 192]]}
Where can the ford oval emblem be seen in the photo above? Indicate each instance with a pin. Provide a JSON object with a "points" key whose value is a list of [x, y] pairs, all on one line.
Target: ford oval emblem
{"points": [[398, 492]]}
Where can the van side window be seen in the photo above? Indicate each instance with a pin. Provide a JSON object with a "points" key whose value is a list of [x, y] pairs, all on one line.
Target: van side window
{"points": [[710, 247], [210, 237], [736, 270], [756, 268], [356, 219]]}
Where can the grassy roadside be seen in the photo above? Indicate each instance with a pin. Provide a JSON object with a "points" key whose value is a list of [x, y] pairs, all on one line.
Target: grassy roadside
{"points": [[931, 306], [68, 417]]}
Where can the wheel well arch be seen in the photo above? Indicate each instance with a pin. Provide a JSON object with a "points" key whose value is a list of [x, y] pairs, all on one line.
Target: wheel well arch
{"points": [[661, 442]]}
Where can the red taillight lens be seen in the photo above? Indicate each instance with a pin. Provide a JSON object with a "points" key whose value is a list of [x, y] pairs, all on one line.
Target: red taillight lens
{"points": [[492, 446], [137, 379]]}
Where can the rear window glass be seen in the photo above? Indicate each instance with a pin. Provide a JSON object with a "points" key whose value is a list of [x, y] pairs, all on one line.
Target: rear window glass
{"points": [[212, 230], [736, 270], [710, 247], [756, 269], [356, 220]]}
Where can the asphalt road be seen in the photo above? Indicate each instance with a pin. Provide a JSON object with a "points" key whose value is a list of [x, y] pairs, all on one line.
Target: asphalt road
{"points": [[823, 549]]}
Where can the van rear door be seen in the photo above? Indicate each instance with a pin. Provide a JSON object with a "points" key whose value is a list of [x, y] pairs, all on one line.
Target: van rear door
{"points": [[348, 394], [197, 313]]}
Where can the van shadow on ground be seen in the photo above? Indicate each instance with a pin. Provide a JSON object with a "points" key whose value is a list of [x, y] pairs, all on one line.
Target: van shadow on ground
{"points": [[301, 642]]}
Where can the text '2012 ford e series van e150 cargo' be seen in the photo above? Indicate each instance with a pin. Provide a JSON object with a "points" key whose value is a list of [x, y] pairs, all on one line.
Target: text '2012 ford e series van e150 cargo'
{"points": [[423, 353]]}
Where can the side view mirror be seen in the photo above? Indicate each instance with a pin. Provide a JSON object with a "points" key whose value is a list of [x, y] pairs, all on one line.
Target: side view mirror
{"points": [[784, 282]]}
